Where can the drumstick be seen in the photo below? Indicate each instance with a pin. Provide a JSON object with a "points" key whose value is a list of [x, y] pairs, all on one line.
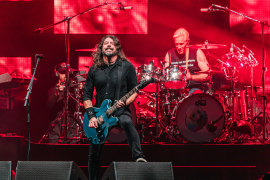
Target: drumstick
{"points": [[187, 56]]}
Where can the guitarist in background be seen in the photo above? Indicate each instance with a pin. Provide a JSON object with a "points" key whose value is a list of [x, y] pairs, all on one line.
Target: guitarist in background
{"points": [[103, 76], [55, 103]]}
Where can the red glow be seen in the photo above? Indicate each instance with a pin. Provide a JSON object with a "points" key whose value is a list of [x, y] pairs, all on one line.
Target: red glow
{"points": [[84, 63], [15, 0], [107, 19], [257, 9], [16, 66]]}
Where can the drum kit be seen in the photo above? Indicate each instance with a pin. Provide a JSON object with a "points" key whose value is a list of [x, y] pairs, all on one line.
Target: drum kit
{"points": [[166, 112], [74, 127]]}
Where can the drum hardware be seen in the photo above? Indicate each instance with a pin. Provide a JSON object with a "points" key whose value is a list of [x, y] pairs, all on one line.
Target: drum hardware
{"points": [[235, 109], [234, 58], [242, 104], [67, 20], [78, 116], [196, 120], [207, 45], [175, 77], [148, 71], [75, 94], [87, 50]]}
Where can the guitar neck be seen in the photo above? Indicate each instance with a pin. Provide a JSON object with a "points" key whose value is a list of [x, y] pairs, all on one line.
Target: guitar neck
{"points": [[124, 98]]}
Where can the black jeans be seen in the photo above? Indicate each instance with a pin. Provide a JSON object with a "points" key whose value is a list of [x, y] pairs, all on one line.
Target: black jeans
{"points": [[125, 122]]}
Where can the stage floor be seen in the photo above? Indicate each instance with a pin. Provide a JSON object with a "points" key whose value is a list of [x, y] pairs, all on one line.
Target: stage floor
{"points": [[190, 161]]}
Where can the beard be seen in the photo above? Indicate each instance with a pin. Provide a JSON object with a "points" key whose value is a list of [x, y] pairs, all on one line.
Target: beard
{"points": [[109, 54]]}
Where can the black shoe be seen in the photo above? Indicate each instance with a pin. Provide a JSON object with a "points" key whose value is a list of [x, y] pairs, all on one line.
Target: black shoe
{"points": [[141, 160]]}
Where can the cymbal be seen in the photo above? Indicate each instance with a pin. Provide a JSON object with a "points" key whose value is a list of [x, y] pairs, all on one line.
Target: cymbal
{"points": [[209, 71], [87, 50], [208, 46]]}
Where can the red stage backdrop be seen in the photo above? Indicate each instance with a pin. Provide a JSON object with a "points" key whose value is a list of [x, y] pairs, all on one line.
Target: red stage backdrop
{"points": [[256, 9], [108, 19]]}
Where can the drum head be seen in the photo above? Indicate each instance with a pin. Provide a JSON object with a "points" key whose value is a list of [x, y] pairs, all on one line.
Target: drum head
{"points": [[200, 118], [174, 77], [146, 72]]}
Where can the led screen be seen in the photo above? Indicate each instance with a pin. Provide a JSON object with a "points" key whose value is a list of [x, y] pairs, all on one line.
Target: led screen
{"points": [[107, 19], [15, 0], [256, 9], [19, 67]]}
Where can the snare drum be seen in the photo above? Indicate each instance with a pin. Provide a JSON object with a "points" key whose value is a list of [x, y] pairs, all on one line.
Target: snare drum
{"points": [[175, 77], [146, 72]]}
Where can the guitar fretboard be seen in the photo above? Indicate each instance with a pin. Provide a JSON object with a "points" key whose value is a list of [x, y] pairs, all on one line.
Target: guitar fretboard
{"points": [[124, 98]]}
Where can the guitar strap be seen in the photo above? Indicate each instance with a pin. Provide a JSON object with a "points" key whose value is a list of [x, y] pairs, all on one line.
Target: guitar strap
{"points": [[117, 91]]}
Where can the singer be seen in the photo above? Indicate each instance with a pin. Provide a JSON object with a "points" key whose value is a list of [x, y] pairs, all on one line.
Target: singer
{"points": [[113, 76], [192, 60]]}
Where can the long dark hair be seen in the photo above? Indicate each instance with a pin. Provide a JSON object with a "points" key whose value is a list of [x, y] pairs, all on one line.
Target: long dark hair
{"points": [[98, 55]]}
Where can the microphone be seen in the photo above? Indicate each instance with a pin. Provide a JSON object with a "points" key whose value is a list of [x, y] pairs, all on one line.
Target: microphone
{"points": [[38, 30], [211, 127], [41, 56], [207, 10], [122, 7], [126, 7], [210, 9]]}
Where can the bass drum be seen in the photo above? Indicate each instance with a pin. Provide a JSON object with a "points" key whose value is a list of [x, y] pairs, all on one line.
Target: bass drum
{"points": [[118, 135], [200, 118]]}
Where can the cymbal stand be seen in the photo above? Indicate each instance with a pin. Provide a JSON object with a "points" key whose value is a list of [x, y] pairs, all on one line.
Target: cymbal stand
{"points": [[27, 103], [263, 25], [233, 99], [63, 131], [157, 110], [251, 93], [78, 114]]}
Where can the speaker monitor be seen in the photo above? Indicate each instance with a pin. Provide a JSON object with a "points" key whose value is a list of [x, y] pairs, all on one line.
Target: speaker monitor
{"points": [[139, 171], [44, 170], [5, 170]]}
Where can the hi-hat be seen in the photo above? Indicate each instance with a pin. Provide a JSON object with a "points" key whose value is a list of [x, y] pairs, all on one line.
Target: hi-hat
{"points": [[208, 46], [87, 50]]}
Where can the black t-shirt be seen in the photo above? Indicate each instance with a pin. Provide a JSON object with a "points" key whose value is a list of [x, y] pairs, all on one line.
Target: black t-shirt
{"points": [[193, 67], [105, 80]]}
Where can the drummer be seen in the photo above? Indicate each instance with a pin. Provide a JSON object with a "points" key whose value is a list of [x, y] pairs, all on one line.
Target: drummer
{"points": [[196, 61]]}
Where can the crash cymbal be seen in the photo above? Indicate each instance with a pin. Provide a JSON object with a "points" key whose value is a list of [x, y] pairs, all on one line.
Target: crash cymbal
{"points": [[208, 46], [87, 50]]}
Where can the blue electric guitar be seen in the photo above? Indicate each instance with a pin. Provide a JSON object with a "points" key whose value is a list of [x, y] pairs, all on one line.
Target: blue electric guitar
{"points": [[99, 135]]}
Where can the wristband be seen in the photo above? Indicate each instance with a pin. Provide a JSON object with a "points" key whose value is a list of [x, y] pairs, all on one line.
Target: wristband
{"points": [[90, 112]]}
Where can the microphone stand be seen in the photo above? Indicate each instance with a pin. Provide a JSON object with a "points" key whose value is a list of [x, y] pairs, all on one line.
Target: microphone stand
{"points": [[63, 132], [27, 103], [263, 24]]}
